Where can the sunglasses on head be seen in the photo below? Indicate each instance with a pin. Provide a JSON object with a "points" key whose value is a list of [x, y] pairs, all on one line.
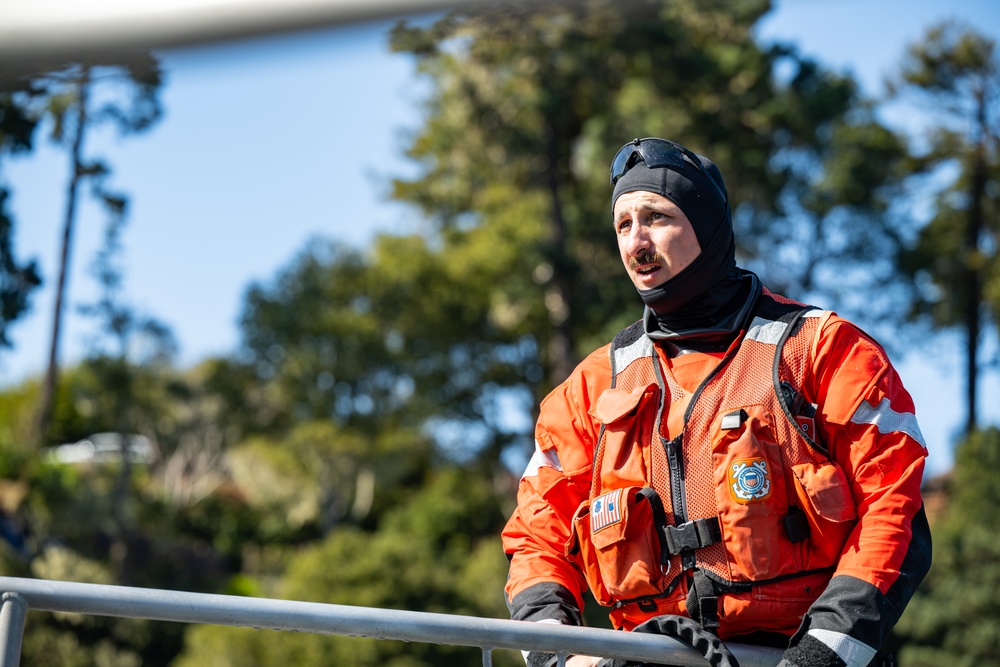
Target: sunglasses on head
{"points": [[655, 153]]}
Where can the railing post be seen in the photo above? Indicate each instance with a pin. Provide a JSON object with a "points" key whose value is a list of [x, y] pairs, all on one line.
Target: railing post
{"points": [[13, 610]]}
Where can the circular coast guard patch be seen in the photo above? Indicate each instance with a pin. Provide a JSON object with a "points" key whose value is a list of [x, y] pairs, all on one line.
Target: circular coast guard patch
{"points": [[749, 480]]}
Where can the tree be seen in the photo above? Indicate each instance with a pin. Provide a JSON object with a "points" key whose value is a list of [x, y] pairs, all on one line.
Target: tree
{"points": [[437, 552], [73, 103], [408, 338], [528, 106], [17, 279], [843, 225], [180, 521], [954, 618], [136, 341], [954, 73]]}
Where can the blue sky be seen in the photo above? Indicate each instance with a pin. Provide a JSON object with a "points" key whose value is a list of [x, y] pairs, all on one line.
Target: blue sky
{"points": [[269, 143]]}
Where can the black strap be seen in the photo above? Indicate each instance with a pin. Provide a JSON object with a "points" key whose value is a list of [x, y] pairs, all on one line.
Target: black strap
{"points": [[703, 601], [796, 524], [791, 401], [659, 519]]}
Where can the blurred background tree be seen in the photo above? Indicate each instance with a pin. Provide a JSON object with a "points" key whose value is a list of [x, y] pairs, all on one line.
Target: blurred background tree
{"points": [[17, 279], [527, 104], [954, 73], [955, 616], [74, 99]]}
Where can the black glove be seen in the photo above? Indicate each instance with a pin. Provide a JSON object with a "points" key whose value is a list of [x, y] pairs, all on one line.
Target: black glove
{"points": [[810, 652], [688, 632], [539, 659]]}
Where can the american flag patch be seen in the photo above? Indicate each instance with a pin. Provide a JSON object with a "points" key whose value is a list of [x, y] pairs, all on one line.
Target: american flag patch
{"points": [[606, 510]]}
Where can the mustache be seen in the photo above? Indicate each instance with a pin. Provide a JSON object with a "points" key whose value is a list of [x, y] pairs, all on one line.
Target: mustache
{"points": [[645, 258]]}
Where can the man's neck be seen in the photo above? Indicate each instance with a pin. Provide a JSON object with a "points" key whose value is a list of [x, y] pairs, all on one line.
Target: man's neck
{"points": [[712, 321]]}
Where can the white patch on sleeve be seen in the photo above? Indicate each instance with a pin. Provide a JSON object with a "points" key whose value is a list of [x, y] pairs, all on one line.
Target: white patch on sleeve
{"points": [[887, 420], [853, 652], [547, 458]]}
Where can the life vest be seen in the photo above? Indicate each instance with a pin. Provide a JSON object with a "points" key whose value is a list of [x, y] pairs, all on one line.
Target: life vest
{"points": [[738, 520]]}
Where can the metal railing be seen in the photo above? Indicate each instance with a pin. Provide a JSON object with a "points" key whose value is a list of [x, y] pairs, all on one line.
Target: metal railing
{"points": [[19, 596]]}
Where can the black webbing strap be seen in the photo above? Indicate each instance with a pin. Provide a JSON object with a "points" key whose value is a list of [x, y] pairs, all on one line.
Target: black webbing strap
{"points": [[659, 520], [703, 601], [796, 524]]}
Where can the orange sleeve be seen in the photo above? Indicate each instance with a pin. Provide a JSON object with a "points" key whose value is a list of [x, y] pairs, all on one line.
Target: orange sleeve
{"points": [[868, 423], [866, 419], [557, 480]]}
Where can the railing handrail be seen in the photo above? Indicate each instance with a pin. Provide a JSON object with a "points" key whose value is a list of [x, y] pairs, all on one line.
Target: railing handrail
{"points": [[21, 595]]}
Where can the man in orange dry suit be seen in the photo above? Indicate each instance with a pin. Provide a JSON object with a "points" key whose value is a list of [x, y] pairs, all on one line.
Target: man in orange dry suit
{"points": [[734, 457]]}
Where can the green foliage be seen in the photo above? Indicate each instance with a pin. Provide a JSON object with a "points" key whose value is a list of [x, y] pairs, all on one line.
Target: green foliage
{"points": [[79, 522], [319, 476], [957, 72], [381, 344], [955, 616], [17, 279], [437, 552], [529, 103], [372, 392], [54, 646], [16, 424], [954, 262]]}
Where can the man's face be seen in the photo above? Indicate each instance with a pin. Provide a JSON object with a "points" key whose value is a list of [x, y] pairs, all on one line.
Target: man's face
{"points": [[655, 239]]}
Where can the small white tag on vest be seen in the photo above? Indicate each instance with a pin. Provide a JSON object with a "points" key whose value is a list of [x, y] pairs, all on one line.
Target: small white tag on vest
{"points": [[733, 419]]}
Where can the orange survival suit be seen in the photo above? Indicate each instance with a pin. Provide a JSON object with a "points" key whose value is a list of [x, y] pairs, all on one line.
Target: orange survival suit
{"points": [[771, 488]]}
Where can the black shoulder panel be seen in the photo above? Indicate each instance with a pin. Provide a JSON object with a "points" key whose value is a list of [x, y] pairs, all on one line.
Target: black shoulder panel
{"points": [[628, 335], [770, 309]]}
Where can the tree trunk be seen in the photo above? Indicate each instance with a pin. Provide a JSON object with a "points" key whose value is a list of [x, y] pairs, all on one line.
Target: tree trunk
{"points": [[973, 282], [559, 297], [50, 382]]}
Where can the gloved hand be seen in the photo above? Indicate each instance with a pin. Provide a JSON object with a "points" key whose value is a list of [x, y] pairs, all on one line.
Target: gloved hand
{"points": [[810, 652], [686, 631]]}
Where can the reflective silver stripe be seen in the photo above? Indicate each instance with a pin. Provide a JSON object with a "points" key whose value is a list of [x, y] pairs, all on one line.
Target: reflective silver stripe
{"points": [[888, 420], [769, 331], [540, 458], [642, 347], [852, 651], [765, 331]]}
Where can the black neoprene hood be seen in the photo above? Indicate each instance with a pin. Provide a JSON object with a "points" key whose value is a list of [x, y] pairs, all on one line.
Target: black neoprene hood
{"points": [[706, 206]]}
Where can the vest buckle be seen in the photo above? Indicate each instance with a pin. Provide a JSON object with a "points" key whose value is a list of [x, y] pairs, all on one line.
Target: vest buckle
{"points": [[646, 604], [692, 535]]}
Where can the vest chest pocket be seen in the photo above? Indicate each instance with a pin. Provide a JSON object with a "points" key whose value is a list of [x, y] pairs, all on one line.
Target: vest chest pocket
{"points": [[825, 495], [751, 493], [627, 419], [747, 458], [619, 542], [825, 488]]}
